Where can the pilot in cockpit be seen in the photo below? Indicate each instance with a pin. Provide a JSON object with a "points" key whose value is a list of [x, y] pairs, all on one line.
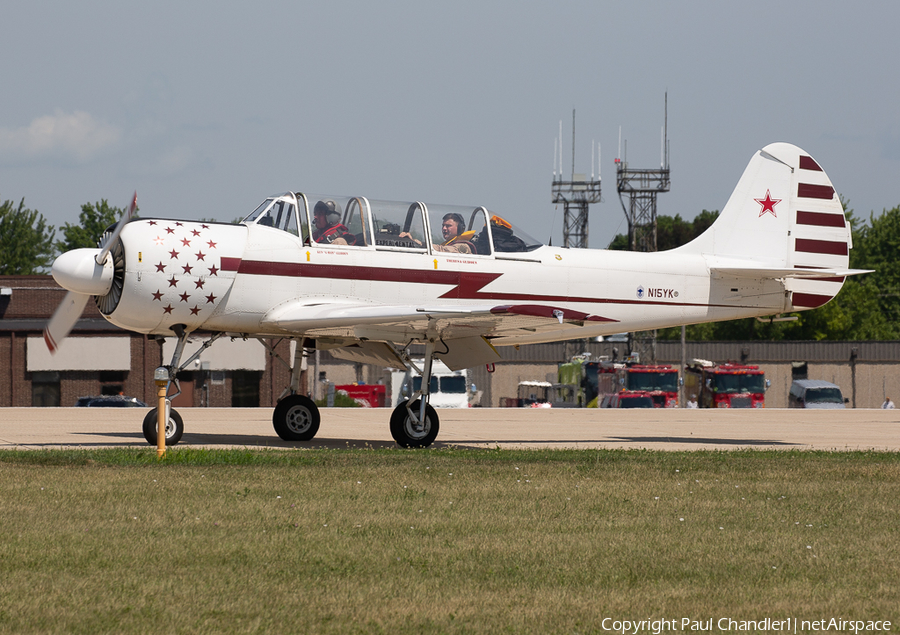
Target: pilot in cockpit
{"points": [[329, 229]]}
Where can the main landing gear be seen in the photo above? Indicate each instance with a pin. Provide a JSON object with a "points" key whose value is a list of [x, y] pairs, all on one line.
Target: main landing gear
{"points": [[296, 417], [414, 423]]}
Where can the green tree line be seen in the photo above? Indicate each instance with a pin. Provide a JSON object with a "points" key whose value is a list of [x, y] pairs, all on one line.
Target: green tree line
{"points": [[27, 245]]}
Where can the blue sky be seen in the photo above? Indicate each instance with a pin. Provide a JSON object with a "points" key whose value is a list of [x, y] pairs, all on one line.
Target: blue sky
{"points": [[205, 108]]}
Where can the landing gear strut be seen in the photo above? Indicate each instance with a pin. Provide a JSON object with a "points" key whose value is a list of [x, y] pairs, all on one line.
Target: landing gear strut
{"points": [[414, 423], [412, 430], [296, 417]]}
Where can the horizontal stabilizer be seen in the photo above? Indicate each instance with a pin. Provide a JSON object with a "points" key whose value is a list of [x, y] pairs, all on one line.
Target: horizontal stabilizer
{"points": [[758, 273]]}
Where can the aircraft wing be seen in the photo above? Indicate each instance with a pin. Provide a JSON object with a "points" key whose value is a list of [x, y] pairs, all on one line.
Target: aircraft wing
{"points": [[465, 330]]}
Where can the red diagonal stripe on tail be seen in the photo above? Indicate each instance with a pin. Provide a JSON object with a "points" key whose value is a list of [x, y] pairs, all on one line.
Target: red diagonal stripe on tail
{"points": [[808, 163], [820, 220], [809, 300], [829, 247], [808, 190]]}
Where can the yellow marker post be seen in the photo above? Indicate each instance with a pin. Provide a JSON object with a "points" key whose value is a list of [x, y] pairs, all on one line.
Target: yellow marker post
{"points": [[161, 377]]}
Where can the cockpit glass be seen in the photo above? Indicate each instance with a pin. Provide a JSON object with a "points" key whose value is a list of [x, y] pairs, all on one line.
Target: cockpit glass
{"points": [[278, 213], [399, 225], [508, 238], [252, 216]]}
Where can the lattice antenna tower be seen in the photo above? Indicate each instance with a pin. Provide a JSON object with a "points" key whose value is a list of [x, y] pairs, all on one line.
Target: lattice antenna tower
{"points": [[576, 194], [642, 186]]}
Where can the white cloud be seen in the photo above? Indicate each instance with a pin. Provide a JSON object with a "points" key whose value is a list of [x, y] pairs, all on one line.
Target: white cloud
{"points": [[77, 137]]}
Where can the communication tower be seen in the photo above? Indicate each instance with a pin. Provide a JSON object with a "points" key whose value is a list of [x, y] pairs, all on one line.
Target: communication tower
{"points": [[642, 187], [576, 195]]}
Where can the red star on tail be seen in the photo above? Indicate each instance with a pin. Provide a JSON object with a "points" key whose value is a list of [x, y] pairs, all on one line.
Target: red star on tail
{"points": [[768, 204]]}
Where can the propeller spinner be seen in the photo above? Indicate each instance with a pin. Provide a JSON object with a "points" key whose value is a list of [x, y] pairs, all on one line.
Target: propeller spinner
{"points": [[88, 272]]}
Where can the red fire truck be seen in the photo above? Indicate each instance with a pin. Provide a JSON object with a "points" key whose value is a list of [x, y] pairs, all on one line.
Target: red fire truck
{"points": [[725, 385], [659, 381]]}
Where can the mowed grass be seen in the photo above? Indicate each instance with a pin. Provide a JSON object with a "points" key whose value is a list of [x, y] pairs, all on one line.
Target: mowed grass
{"points": [[441, 541]]}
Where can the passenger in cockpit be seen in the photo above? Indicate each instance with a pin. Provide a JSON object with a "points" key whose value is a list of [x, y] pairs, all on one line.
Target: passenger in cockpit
{"points": [[452, 231], [454, 234]]}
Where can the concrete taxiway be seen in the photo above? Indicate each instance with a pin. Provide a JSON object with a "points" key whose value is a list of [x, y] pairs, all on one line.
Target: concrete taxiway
{"points": [[677, 429]]}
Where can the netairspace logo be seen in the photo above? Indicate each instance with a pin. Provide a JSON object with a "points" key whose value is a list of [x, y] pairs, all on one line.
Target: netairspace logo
{"points": [[726, 625]]}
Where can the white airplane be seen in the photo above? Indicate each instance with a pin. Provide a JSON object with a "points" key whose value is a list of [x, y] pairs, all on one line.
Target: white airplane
{"points": [[367, 279]]}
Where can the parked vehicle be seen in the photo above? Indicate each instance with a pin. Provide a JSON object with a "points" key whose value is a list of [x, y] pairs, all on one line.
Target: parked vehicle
{"points": [[366, 395], [815, 393], [725, 385], [628, 399], [596, 379], [110, 401], [448, 388]]}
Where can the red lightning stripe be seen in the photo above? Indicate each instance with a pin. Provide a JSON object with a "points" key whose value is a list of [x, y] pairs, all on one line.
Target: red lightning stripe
{"points": [[466, 286]]}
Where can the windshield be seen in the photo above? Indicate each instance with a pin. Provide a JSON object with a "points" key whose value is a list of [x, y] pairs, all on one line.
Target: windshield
{"points": [[665, 382], [635, 402], [824, 395], [506, 237], [278, 213], [731, 384], [432, 385], [455, 384], [252, 216]]}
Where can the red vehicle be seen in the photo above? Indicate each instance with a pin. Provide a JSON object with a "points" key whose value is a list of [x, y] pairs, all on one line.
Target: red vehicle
{"points": [[628, 399], [657, 381], [725, 385], [373, 395]]}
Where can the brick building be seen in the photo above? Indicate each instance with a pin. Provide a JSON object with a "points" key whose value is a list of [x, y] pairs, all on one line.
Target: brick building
{"points": [[99, 358]]}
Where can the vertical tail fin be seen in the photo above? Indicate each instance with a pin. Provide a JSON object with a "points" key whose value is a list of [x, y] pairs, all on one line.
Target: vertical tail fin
{"points": [[785, 220]]}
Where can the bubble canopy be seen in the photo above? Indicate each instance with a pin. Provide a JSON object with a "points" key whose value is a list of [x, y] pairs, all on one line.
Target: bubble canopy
{"points": [[359, 222]]}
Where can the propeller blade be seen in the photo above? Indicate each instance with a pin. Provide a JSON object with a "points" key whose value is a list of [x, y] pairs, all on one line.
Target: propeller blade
{"points": [[111, 240], [64, 318]]}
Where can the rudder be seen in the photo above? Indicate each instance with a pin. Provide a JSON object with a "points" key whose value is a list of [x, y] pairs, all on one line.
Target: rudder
{"points": [[784, 214]]}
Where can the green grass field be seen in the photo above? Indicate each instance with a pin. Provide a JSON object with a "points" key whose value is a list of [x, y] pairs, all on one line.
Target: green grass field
{"points": [[441, 541]]}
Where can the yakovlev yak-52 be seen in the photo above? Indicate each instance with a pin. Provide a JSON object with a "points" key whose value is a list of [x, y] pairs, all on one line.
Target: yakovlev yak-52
{"points": [[367, 279]]}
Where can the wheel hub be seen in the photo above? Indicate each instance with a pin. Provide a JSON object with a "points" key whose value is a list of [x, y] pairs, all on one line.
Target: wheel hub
{"points": [[298, 419]]}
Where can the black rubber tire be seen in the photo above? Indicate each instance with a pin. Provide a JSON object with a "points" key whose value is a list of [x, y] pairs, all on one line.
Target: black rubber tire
{"points": [[174, 427], [404, 433], [296, 418]]}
